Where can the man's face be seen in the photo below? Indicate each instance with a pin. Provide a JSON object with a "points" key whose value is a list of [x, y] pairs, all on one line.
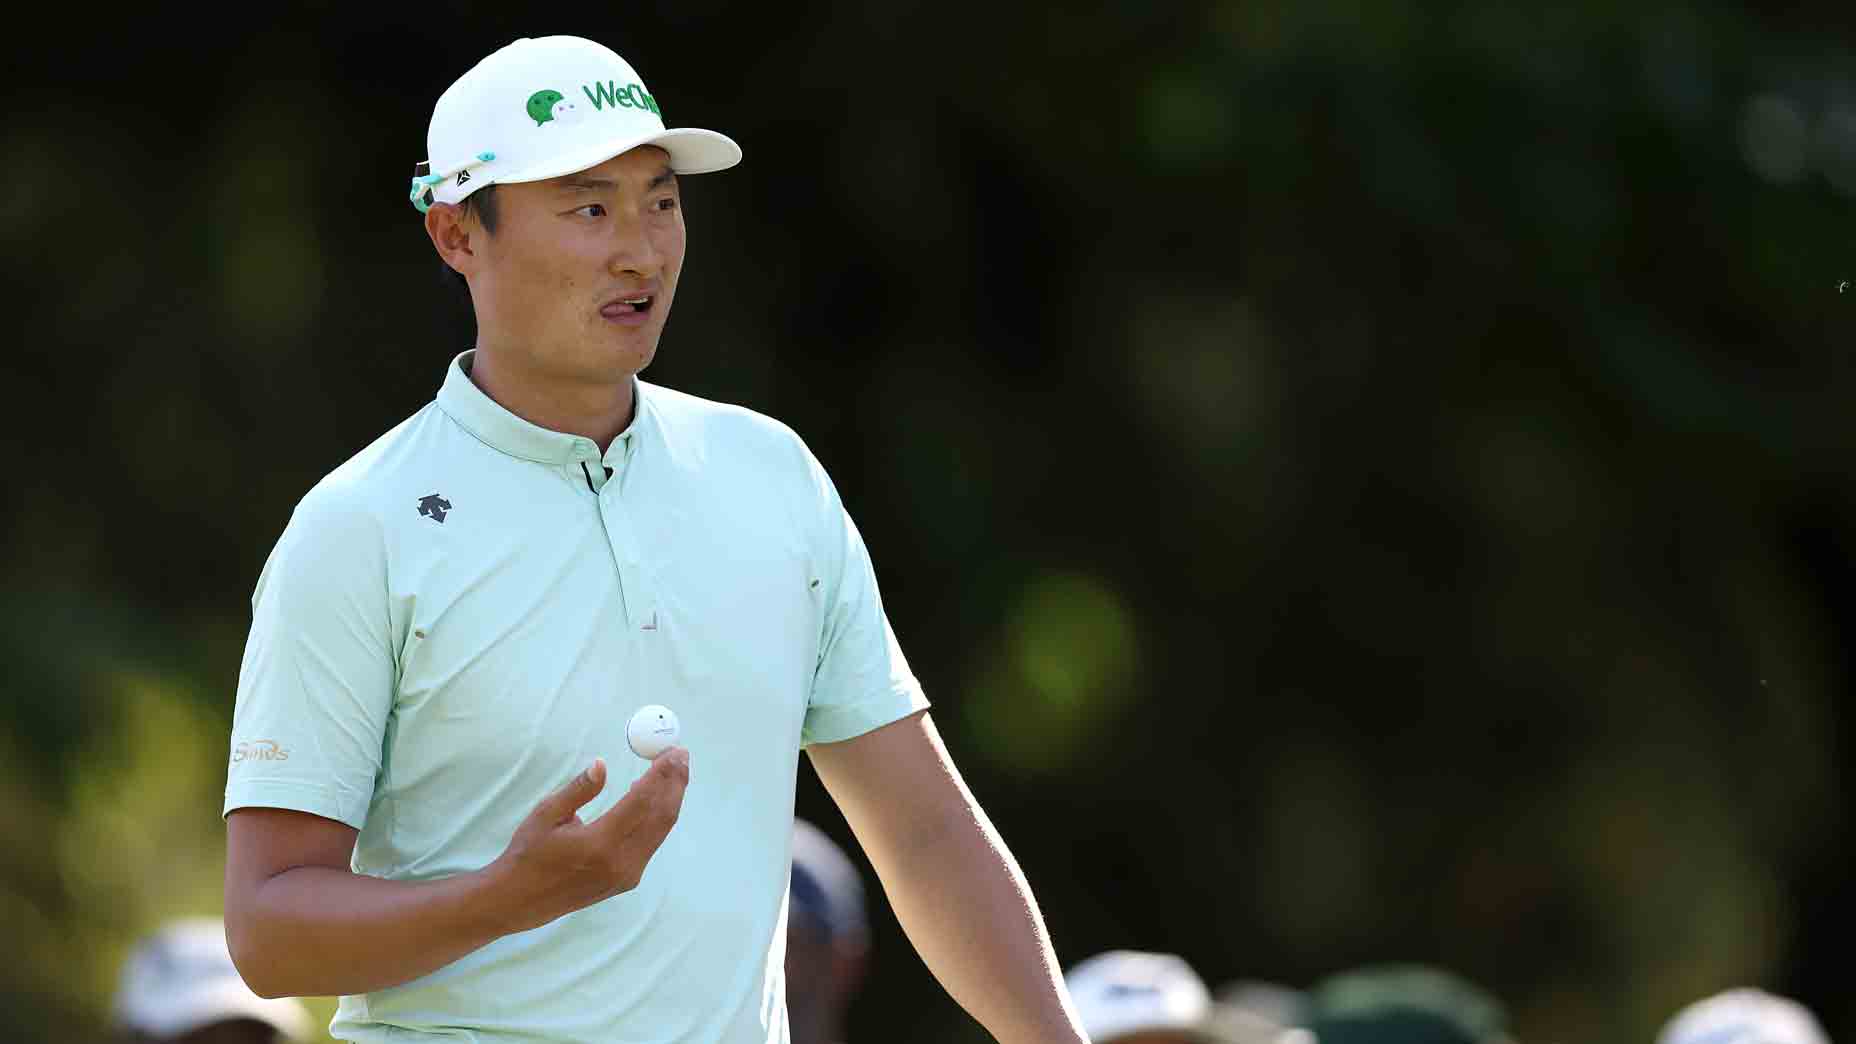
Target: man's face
{"points": [[552, 284]]}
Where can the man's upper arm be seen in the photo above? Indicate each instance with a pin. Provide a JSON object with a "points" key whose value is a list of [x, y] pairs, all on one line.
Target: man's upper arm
{"points": [[896, 785], [264, 842], [316, 684]]}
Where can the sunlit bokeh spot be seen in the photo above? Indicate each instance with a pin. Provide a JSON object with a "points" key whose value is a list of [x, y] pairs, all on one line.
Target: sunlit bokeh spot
{"points": [[1064, 669]]}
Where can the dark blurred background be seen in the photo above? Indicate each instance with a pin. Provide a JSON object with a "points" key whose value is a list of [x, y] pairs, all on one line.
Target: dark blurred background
{"points": [[1361, 481]]}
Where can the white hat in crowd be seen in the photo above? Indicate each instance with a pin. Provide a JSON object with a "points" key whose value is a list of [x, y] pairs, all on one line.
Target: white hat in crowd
{"points": [[1123, 992], [182, 978], [544, 107], [1743, 1016]]}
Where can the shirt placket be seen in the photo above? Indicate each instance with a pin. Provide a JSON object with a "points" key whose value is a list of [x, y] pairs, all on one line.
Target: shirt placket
{"points": [[635, 588]]}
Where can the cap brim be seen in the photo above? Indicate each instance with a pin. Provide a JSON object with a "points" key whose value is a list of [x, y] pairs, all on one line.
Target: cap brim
{"points": [[177, 1013], [1227, 1025], [1114, 1029], [692, 151]]}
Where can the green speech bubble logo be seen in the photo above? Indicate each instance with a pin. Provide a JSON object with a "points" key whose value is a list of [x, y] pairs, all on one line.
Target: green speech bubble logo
{"points": [[541, 106]]}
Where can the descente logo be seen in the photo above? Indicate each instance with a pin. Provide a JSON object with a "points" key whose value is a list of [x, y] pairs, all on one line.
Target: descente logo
{"points": [[630, 96], [259, 750]]}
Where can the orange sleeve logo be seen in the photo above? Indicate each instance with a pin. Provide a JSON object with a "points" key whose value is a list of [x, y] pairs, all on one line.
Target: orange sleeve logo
{"points": [[259, 750]]}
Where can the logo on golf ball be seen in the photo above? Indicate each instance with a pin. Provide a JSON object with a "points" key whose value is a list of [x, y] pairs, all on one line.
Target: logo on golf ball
{"points": [[652, 730]]}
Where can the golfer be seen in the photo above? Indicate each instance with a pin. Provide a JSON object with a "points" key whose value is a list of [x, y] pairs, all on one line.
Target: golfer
{"points": [[431, 807]]}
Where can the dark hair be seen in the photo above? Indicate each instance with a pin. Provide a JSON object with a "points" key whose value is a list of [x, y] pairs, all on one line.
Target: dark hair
{"points": [[483, 204]]}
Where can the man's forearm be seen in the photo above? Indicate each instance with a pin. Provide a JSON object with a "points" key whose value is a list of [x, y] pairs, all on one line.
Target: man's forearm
{"points": [[969, 912], [320, 931]]}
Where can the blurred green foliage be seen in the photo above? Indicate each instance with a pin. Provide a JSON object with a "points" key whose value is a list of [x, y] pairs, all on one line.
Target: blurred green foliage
{"points": [[1361, 481]]}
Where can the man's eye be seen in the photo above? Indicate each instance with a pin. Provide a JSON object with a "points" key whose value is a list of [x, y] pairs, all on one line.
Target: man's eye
{"points": [[593, 210], [667, 203]]}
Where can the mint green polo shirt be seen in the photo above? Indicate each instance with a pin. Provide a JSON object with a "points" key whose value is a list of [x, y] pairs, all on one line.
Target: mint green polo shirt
{"points": [[466, 613]]}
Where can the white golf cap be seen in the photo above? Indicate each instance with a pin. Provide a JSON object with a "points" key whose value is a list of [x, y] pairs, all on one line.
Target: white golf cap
{"points": [[540, 108], [1124, 992], [1743, 1016], [182, 978]]}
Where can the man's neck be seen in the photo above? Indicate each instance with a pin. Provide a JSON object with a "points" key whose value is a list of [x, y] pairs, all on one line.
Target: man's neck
{"points": [[594, 411]]}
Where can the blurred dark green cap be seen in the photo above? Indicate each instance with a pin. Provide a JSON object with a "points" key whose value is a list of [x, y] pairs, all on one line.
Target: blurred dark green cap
{"points": [[1403, 1004]]}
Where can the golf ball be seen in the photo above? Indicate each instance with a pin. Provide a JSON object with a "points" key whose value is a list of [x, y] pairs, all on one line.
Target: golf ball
{"points": [[652, 730]]}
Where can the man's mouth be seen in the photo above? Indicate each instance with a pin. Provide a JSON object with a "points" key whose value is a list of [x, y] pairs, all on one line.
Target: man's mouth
{"points": [[628, 306]]}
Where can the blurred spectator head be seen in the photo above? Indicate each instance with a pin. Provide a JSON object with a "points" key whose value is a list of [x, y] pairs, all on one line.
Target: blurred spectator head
{"points": [[1743, 1016], [179, 986], [1132, 997], [827, 937], [1403, 1004]]}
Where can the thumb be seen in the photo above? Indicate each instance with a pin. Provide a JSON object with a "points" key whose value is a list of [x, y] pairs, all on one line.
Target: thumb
{"points": [[560, 806]]}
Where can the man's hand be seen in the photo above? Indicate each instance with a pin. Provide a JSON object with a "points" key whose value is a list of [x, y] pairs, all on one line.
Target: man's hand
{"points": [[556, 864]]}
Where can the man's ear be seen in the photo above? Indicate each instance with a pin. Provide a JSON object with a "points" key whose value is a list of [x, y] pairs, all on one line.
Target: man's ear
{"points": [[451, 232]]}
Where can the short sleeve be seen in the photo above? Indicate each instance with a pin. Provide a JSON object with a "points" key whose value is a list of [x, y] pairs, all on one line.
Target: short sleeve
{"points": [[863, 681], [316, 684]]}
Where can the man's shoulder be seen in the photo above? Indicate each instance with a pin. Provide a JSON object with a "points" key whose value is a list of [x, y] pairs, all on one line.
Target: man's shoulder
{"points": [[706, 425], [356, 488], [683, 410]]}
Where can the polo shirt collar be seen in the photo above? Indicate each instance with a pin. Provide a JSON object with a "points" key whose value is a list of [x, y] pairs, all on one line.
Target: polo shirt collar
{"points": [[501, 430]]}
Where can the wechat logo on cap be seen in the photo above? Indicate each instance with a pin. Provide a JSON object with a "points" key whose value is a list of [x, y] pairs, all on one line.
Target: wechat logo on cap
{"points": [[546, 106]]}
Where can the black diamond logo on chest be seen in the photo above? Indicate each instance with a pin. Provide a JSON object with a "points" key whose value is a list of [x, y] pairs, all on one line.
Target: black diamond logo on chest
{"points": [[434, 507]]}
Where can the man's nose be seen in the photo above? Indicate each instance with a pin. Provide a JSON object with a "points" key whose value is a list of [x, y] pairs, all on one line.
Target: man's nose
{"points": [[633, 252]]}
